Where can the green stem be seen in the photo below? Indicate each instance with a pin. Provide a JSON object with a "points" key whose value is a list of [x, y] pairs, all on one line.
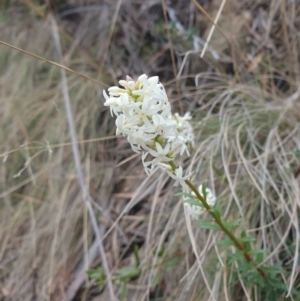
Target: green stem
{"points": [[218, 220]]}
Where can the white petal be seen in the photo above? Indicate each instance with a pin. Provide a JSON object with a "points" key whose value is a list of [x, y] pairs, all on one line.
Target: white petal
{"points": [[123, 83], [105, 94]]}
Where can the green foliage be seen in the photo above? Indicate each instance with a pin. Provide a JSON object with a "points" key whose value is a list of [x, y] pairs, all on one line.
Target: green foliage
{"points": [[204, 190], [97, 275], [273, 288], [190, 199], [161, 251], [207, 223], [128, 273], [194, 202], [233, 224], [296, 153], [122, 276], [124, 291], [225, 243], [136, 256], [165, 265], [215, 209], [267, 280], [246, 240]]}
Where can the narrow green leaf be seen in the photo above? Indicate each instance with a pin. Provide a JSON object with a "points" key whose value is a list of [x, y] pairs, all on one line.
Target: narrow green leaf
{"points": [[194, 202], [259, 254], [204, 190], [216, 211], [247, 239], [210, 227], [207, 224], [124, 291], [128, 273], [136, 256], [234, 223], [257, 251], [225, 243], [97, 275]]}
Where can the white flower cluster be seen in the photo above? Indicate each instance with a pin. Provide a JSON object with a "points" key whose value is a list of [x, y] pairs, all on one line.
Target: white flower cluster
{"points": [[185, 128], [144, 115], [195, 211]]}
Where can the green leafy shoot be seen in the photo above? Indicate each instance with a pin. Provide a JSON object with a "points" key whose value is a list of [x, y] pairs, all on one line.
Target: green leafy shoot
{"points": [[128, 273], [194, 202], [206, 223], [225, 243], [215, 209], [233, 224], [246, 240], [97, 275]]}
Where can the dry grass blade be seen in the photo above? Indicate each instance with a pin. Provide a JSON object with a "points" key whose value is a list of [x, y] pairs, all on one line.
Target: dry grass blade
{"points": [[213, 28], [52, 63], [85, 194], [174, 66]]}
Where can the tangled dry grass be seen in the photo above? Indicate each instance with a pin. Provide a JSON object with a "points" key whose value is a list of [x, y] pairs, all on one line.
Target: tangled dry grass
{"points": [[244, 97]]}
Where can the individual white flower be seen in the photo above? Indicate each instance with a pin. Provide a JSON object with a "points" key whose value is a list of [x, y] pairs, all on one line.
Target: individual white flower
{"points": [[146, 165], [179, 143], [148, 85], [125, 106], [111, 102], [178, 176], [123, 127], [161, 154], [116, 91], [163, 126], [144, 111], [138, 140]]}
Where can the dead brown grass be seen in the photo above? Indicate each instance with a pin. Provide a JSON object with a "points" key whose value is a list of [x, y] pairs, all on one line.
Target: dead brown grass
{"points": [[244, 98]]}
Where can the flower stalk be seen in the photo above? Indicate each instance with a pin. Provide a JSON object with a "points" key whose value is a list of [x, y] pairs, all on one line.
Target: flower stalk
{"points": [[219, 222], [144, 116]]}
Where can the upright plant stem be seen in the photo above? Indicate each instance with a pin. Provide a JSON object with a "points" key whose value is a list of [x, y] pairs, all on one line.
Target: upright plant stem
{"points": [[218, 220]]}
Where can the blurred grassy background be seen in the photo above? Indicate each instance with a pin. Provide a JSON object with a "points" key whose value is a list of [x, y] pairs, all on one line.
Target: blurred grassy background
{"points": [[244, 97]]}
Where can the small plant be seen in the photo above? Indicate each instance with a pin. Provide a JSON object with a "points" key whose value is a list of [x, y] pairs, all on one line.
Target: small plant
{"points": [[121, 277], [144, 116]]}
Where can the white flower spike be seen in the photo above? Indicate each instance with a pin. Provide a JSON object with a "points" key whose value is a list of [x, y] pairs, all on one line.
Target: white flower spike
{"points": [[144, 115]]}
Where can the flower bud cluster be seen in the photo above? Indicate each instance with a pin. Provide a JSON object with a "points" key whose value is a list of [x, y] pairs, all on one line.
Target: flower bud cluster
{"points": [[195, 211], [144, 115]]}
